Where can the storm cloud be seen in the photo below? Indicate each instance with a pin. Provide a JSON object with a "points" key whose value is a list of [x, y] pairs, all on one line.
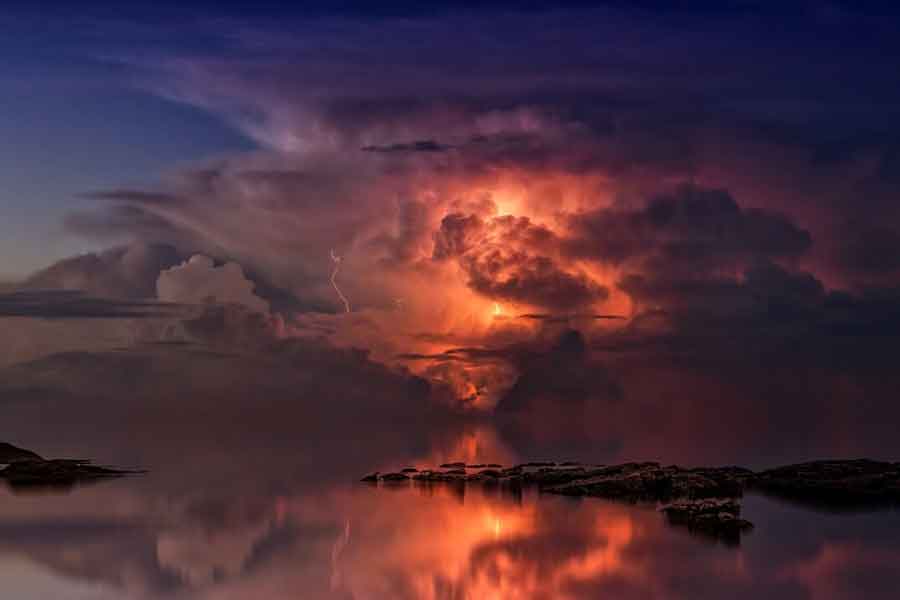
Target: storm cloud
{"points": [[732, 203]]}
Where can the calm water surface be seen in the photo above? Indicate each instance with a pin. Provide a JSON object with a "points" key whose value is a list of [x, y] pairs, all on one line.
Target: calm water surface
{"points": [[218, 519]]}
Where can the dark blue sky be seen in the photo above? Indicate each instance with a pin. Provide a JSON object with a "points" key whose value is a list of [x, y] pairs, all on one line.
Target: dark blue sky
{"points": [[79, 114], [73, 120]]}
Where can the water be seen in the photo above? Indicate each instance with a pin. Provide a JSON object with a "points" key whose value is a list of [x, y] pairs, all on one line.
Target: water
{"points": [[253, 493], [226, 521]]}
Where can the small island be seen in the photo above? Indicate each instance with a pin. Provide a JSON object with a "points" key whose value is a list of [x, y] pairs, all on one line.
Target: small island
{"points": [[22, 468]]}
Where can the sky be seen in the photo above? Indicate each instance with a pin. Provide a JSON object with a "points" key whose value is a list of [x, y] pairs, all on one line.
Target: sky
{"points": [[605, 227]]}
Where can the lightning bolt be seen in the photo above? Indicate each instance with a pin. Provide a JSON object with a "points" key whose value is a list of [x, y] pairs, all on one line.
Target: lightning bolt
{"points": [[337, 267]]}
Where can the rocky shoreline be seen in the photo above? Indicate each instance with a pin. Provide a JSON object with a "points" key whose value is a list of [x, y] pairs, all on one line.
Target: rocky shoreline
{"points": [[26, 469], [705, 500]]}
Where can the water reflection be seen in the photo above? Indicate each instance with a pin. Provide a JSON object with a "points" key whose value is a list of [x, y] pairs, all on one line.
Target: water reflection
{"points": [[130, 539], [485, 544]]}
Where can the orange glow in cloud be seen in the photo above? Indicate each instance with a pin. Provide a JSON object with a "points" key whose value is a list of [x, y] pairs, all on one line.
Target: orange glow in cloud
{"points": [[441, 308], [507, 205]]}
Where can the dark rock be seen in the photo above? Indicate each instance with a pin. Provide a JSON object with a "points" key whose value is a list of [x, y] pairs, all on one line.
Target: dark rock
{"points": [[409, 470], [834, 483], [737, 473], [649, 481], [62, 472], [494, 466], [537, 464], [10, 454], [726, 482], [713, 517], [485, 476], [629, 481], [454, 465], [490, 473], [548, 477], [478, 466], [394, 477], [478, 477], [440, 476], [371, 478]]}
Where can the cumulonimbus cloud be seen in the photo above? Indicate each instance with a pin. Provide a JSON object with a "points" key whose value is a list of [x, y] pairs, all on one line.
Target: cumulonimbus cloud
{"points": [[562, 183]]}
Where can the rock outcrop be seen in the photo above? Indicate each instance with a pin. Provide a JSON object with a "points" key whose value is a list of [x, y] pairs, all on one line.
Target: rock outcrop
{"points": [[651, 482], [25, 468], [57, 473], [630, 481], [834, 483], [11, 454], [717, 518]]}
